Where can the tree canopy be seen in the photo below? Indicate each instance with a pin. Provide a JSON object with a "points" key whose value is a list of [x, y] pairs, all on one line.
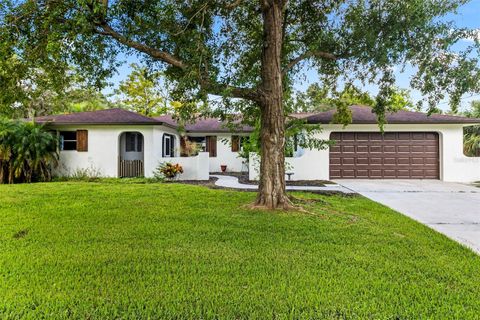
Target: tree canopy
{"points": [[141, 92], [319, 98], [28, 91], [214, 47], [252, 52]]}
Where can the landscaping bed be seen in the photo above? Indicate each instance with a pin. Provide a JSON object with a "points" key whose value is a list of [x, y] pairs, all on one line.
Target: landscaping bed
{"points": [[243, 178]]}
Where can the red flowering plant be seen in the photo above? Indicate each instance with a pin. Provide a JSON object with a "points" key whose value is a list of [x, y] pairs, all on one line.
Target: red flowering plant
{"points": [[169, 170]]}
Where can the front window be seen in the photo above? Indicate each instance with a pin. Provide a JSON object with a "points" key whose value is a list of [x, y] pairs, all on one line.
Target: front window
{"points": [[68, 140], [168, 146], [201, 143], [133, 142]]}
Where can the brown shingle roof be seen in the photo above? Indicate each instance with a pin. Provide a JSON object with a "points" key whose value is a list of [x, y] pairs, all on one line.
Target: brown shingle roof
{"points": [[108, 116], [360, 115], [365, 115], [206, 125]]}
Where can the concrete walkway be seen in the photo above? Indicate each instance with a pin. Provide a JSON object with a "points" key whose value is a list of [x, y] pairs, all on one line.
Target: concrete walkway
{"points": [[232, 182], [449, 208]]}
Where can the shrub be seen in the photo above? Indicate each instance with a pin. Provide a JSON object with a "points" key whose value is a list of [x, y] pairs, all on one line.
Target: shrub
{"points": [[167, 170], [28, 152], [86, 174]]}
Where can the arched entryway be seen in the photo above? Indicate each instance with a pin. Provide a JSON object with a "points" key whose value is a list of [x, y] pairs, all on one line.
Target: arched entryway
{"points": [[130, 155]]}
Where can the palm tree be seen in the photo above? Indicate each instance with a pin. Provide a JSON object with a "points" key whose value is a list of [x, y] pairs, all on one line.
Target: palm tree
{"points": [[35, 152], [7, 137], [471, 141], [27, 152]]}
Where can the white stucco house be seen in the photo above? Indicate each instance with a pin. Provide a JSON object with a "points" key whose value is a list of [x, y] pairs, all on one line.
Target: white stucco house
{"points": [[120, 143]]}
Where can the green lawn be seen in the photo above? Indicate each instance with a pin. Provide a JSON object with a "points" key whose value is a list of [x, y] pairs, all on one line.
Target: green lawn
{"points": [[103, 250]]}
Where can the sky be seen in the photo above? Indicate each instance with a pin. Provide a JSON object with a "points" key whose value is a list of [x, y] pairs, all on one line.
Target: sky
{"points": [[467, 16]]}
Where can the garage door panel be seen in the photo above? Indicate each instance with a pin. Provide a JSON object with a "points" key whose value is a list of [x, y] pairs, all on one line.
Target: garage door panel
{"points": [[335, 149], [404, 136], [348, 136], [389, 173], [403, 149], [364, 136], [390, 136], [418, 161], [431, 174], [375, 174], [403, 173], [335, 160], [418, 136], [389, 149], [417, 149], [348, 173], [362, 161], [362, 173], [348, 149], [362, 149], [432, 149], [375, 137], [376, 149], [432, 136], [394, 155]]}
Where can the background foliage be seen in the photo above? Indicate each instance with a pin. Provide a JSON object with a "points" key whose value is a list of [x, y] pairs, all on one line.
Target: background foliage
{"points": [[27, 152], [471, 141]]}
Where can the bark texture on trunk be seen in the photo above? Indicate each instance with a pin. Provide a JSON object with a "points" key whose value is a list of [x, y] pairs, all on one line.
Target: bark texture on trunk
{"points": [[272, 194]]}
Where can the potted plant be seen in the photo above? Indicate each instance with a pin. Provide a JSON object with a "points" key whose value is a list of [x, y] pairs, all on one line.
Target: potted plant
{"points": [[223, 167]]}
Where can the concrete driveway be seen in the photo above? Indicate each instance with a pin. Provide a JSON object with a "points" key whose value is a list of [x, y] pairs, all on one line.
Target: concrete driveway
{"points": [[450, 208]]}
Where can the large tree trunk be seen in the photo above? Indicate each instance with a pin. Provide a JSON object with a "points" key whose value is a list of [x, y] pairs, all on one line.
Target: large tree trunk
{"points": [[271, 193]]}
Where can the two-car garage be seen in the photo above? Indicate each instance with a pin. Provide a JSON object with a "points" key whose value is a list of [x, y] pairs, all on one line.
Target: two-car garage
{"points": [[391, 155], [413, 145]]}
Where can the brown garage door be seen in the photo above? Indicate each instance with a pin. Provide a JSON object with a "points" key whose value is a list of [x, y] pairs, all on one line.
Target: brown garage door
{"points": [[393, 155]]}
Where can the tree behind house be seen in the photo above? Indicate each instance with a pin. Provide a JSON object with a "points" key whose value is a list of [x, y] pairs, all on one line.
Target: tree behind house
{"points": [[318, 98], [471, 139], [141, 92]]}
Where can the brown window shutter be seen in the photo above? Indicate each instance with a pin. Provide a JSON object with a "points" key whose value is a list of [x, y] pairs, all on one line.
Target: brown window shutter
{"points": [[82, 140], [212, 146], [235, 143]]}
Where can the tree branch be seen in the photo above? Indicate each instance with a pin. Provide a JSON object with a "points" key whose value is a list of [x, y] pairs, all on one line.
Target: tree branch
{"points": [[106, 30], [220, 89], [309, 54], [233, 5]]}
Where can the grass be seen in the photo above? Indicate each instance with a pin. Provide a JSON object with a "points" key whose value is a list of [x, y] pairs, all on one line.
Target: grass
{"points": [[106, 250]]}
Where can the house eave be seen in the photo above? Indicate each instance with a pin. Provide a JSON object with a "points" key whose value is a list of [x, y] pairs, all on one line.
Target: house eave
{"points": [[59, 124]]}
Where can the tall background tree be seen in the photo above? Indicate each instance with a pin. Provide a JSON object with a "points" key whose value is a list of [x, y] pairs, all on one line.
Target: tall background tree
{"points": [[29, 91], [142, 92], [318, 98], [250, 53]]}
